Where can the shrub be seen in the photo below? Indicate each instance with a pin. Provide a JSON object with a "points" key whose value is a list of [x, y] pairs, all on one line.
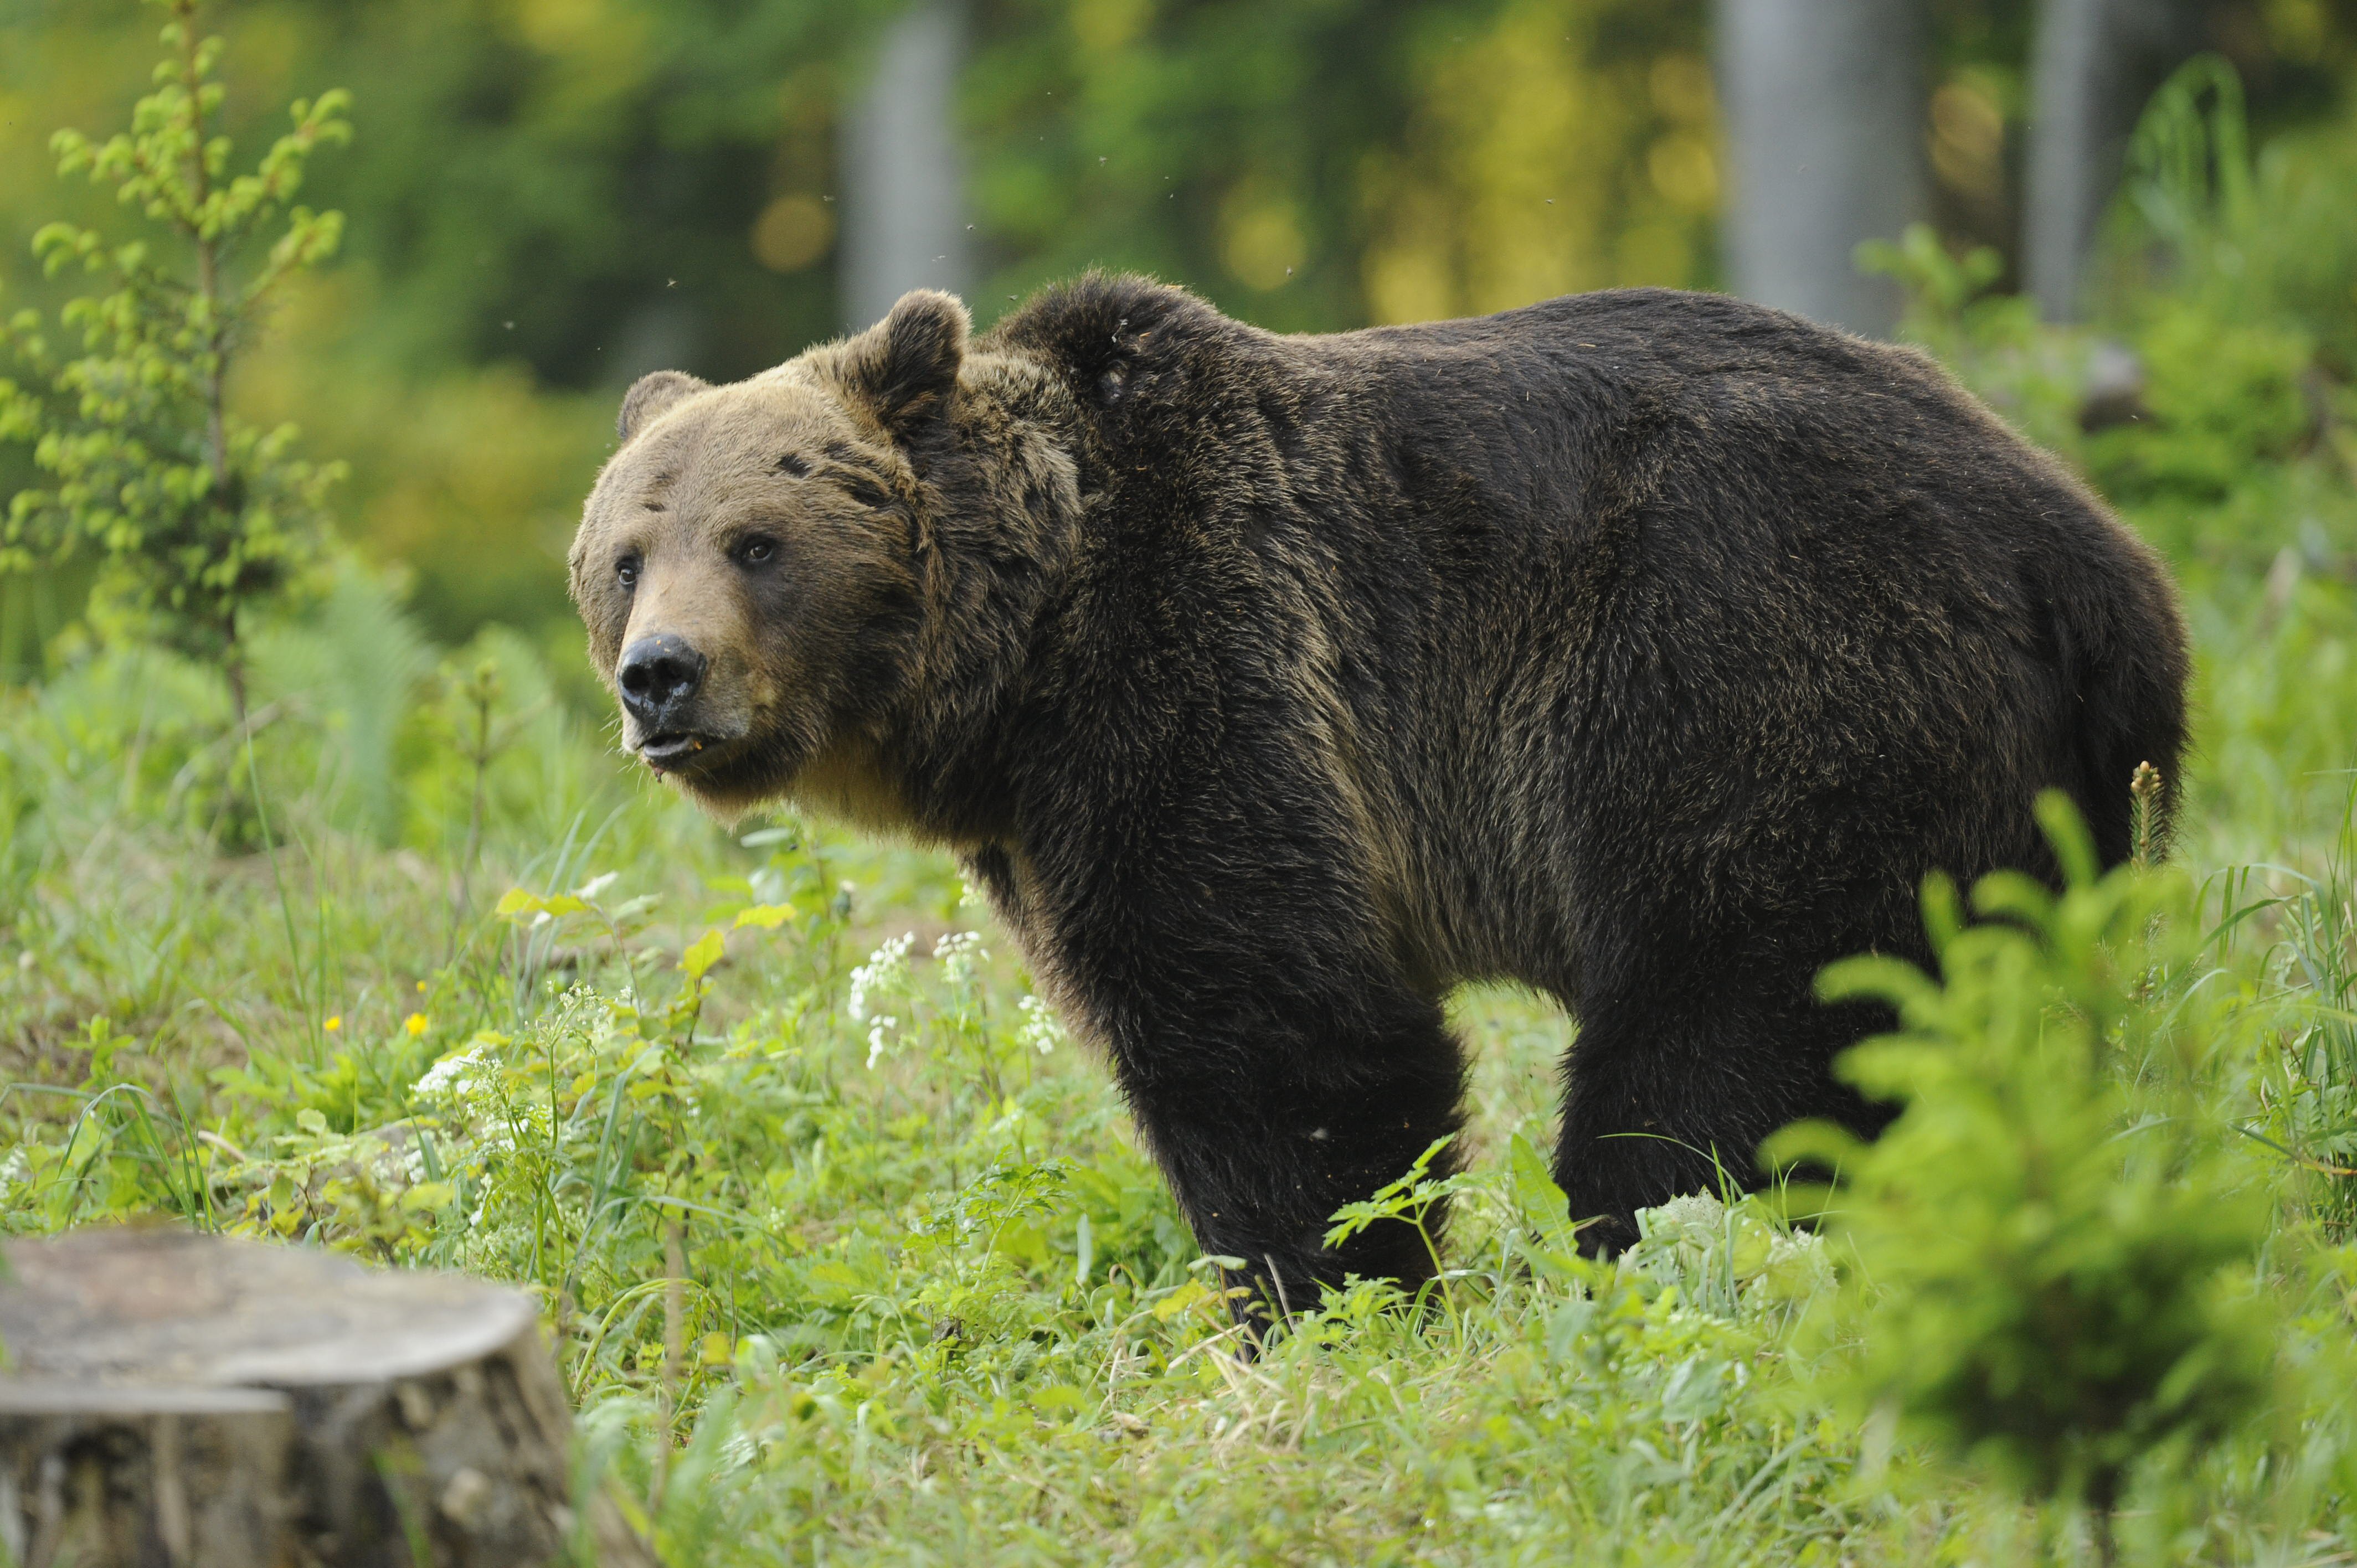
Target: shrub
{"points": [[2051, 1248], [196, 516]]}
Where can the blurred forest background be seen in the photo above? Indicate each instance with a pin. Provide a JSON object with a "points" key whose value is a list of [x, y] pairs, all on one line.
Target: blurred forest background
{"points": [[548, 198]]}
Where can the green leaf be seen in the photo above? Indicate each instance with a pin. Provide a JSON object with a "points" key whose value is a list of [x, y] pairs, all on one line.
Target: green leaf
{"points": [[428, 1195], [515, 903], [1544, 1204], [703, 953]]}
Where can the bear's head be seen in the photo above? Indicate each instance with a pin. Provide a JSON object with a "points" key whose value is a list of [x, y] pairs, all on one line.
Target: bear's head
{"points": [[748, 564]]}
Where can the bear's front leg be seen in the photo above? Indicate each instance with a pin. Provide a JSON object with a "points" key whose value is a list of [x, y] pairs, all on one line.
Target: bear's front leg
{"points": [[1276, 1069], [1217, 932], [1269, 1109], [1264, 1133]]}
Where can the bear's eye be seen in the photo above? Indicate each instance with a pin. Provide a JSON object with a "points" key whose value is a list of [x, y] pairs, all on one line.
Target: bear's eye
{"points": [[790, 463], [626, 571], [1111, 384], [753, 552]]}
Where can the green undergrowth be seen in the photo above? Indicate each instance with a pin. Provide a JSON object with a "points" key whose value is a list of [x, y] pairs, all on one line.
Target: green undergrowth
{"points": [[848, 1253]]}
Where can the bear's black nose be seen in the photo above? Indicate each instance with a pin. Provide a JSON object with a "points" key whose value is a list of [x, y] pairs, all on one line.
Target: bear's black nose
{"points": [[657, 676]]}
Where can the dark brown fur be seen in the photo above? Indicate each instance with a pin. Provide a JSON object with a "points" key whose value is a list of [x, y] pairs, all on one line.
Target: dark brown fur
{"points": [[1647, 649]]}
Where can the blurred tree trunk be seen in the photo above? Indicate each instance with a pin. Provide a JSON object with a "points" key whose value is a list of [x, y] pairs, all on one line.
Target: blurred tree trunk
{"points": [[903, 182], [2093, 65], [1826, 105]]}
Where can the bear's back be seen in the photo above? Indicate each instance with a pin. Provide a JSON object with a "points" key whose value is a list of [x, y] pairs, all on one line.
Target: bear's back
{"points": [[1540, 417]]}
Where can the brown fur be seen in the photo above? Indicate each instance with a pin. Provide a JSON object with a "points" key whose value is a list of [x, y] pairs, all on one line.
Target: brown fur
{"points": [[1646, 649]]}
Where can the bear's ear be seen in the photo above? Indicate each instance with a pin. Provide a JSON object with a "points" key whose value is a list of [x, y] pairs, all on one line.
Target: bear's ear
{"points": [[904, 366], [650, 395]]}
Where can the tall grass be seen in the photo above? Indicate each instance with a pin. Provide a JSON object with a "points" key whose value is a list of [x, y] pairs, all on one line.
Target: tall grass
{"points": [[848, 1253]]}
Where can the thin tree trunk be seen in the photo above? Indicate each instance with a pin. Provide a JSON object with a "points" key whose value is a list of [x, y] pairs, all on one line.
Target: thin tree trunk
{"points": [[2102, 1515], [2093, 65], [1826, 108], [904, 221]]}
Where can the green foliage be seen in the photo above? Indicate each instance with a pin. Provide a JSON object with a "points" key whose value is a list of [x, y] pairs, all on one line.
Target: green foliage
{"points": [[2054, 1243], [2208, 394], [2307, 1094], [2218, 400], [198, 517], [1318, 166], [351, 667], [846, 1252], [2249, 235], [2228, 339], [1995, 342], [918, 1250]]}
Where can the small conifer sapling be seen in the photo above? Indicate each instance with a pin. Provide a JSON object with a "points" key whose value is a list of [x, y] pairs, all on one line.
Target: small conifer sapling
{"points": [[2052, 1254], [197, 517]]}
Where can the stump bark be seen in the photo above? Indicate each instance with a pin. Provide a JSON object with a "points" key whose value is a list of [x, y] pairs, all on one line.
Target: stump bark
{"points": [[202, 1403]]}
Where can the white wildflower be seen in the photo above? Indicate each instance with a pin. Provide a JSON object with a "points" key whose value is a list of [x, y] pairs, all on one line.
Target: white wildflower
{"points": [[1697, 1216], [13, 1169], [1798, 1264], [960, 954], [1039, 1030], [879, 1038], [454, 1077], [885, 971]]}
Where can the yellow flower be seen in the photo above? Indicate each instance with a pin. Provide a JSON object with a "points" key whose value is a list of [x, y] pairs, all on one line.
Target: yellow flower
{"points": [[335, 1023], [416, 1024]]}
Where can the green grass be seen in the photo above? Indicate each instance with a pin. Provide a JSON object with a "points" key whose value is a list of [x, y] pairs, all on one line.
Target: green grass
{"points": [[933, 1303], [849, 1254]]}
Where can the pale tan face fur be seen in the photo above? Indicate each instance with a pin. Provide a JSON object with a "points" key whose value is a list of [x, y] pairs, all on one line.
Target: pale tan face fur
{"points": [[745, 566]]}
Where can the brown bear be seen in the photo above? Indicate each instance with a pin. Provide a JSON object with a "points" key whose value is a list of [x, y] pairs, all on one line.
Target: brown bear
{"points": [[1646, 649]]}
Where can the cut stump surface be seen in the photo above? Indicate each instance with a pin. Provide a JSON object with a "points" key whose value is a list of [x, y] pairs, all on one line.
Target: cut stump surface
{"points": [[187, 1399]]}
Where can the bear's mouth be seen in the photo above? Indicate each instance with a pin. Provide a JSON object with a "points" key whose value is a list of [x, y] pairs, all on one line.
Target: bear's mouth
{"points": [[674, 749]]}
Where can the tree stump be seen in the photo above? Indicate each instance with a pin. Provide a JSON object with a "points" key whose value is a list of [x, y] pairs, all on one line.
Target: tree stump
{"points": [[202, 1403]]}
